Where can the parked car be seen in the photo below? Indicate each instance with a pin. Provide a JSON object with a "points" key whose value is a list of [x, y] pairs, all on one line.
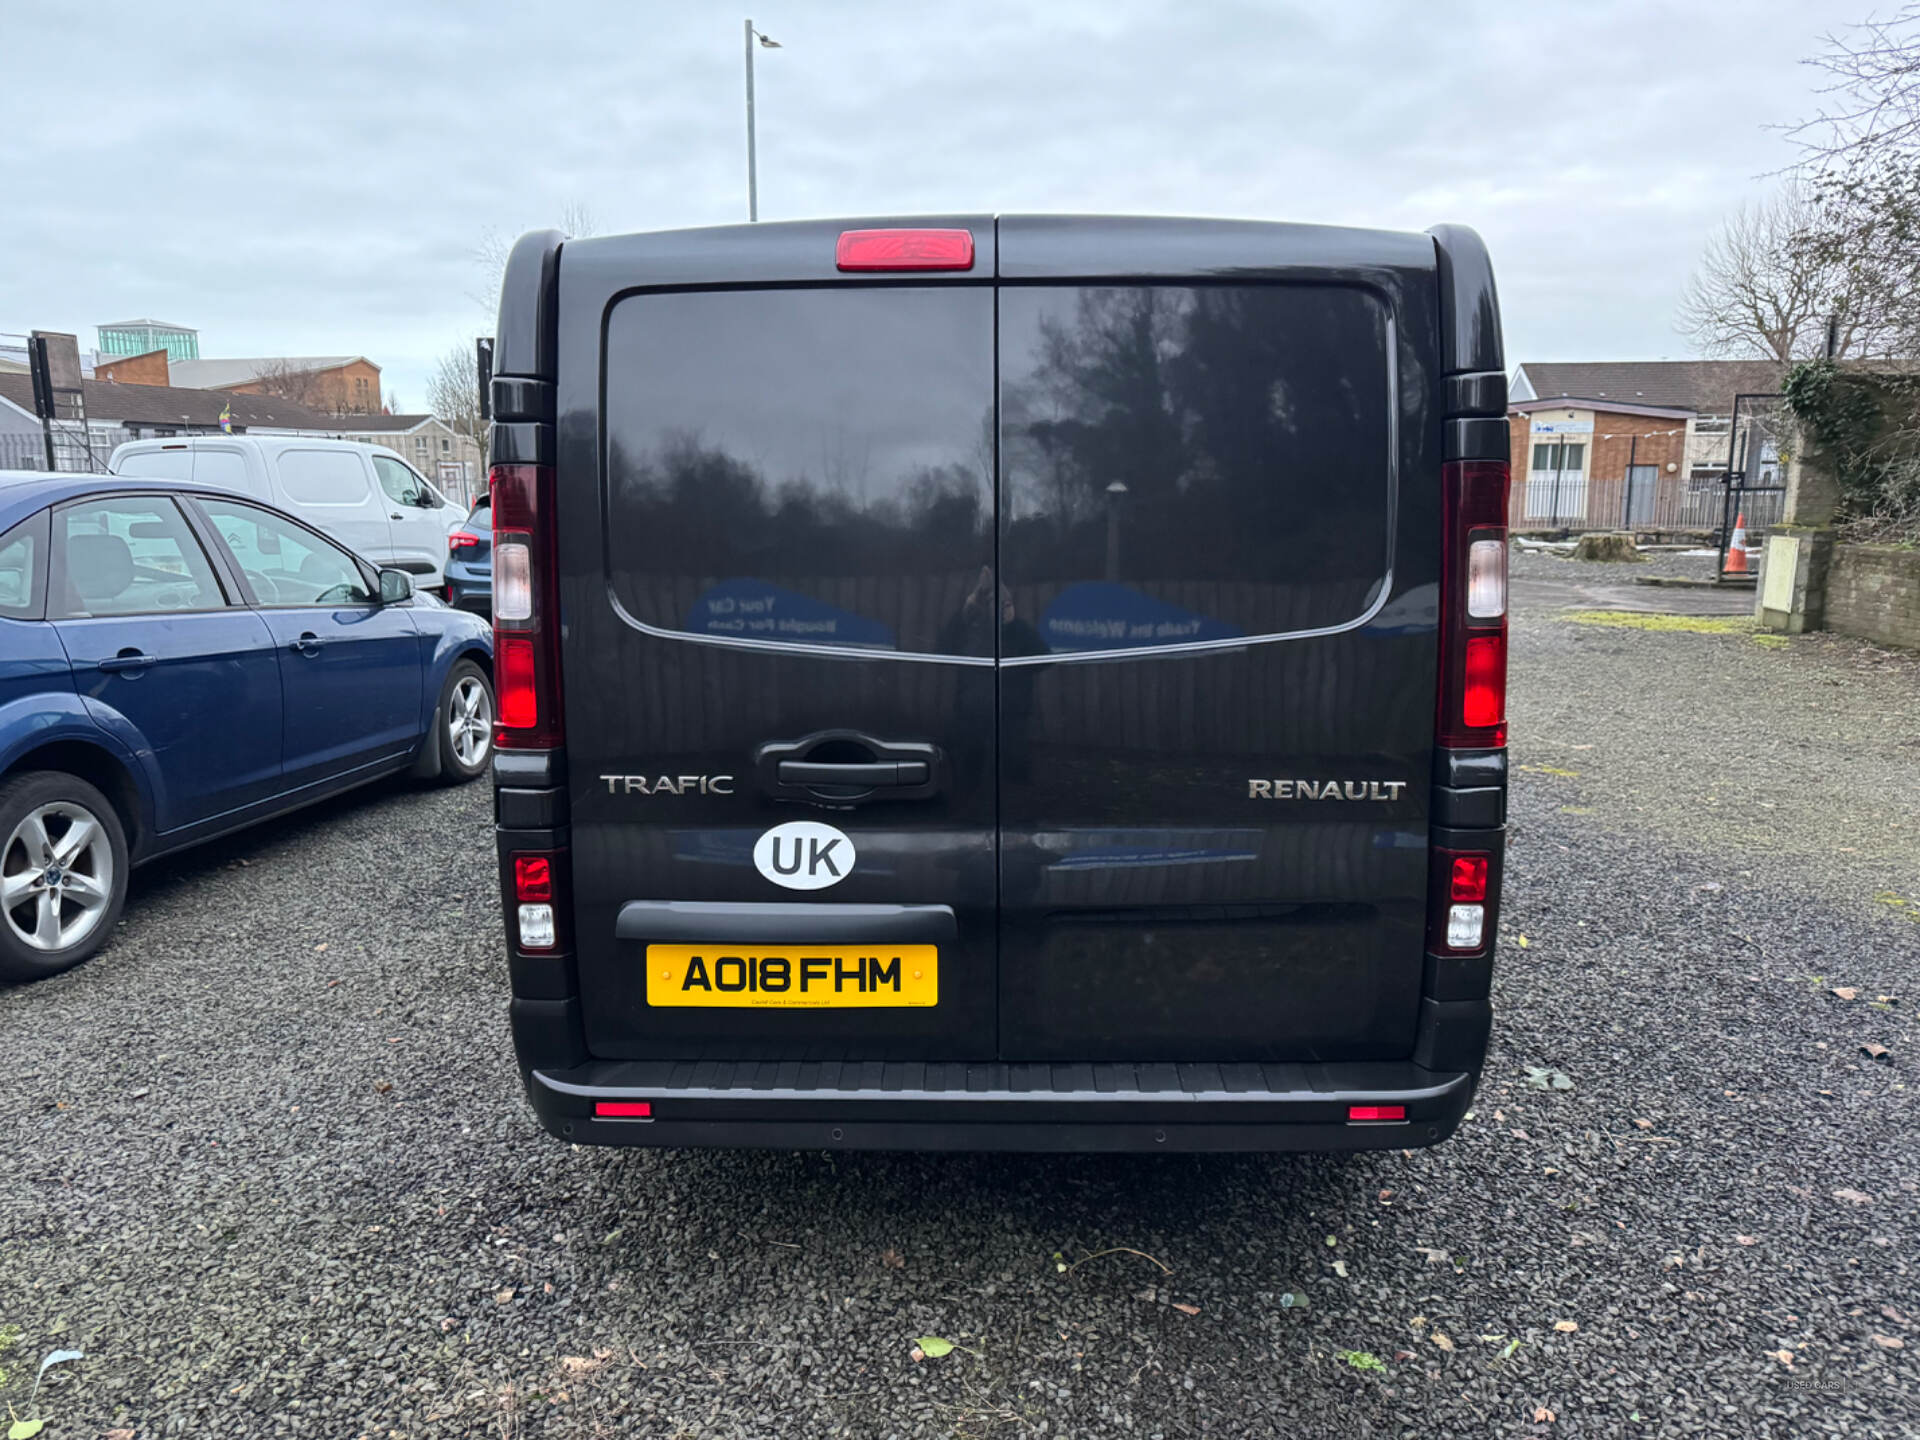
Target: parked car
{"points": [[366, 497], [178, 661], [470, 561], [1005, 682]]}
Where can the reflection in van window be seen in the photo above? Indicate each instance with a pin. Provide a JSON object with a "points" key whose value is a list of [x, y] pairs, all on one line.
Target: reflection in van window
{"points": [[323, 477], [813, 466], [222, 468], [1190, 463]]}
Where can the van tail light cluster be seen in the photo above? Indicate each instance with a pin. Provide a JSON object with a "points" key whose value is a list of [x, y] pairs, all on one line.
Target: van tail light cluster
{"points": [[526, 610], [538, 881], [1473, 605], [1463, 896]]}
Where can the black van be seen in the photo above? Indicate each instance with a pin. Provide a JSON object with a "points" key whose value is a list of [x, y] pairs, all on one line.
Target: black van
{"points": [[1001, 683]]}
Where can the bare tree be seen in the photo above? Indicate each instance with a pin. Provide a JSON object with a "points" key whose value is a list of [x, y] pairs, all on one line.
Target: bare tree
{"points": [[1763, 289], [303, 387], [1862, 169], [577, 221], [453, 395]]}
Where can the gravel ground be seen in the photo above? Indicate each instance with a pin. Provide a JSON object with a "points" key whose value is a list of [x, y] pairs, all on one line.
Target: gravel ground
{"points": [[268, 1166]]}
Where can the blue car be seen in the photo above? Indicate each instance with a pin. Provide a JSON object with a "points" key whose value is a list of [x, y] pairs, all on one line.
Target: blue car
{"points": [[177, 662], [470, 561]]}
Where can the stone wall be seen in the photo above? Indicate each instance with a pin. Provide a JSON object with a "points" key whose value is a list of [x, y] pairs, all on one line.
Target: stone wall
{"points": [[1874, 591]]}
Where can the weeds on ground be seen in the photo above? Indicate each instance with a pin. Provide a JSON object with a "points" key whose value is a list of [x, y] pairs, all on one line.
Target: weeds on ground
{"points": [[1668, 624]]}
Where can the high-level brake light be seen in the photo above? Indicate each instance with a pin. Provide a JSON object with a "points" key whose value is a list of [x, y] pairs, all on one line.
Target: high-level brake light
{"points": [[904, 250]]}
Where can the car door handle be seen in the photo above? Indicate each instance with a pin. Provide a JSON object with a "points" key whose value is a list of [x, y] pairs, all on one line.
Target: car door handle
{"points": [[127, 660], [870, 774], [393, 516], [308, 644]]}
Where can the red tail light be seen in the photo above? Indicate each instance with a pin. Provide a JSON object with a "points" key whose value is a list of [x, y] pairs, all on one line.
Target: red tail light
{"points": [[1469, 879], [1460, 911], [532, 877], [537, 899], [904, 250], [1473, 605], [623, 1109], [460, 540], [1376, 1112], [526, 609]]}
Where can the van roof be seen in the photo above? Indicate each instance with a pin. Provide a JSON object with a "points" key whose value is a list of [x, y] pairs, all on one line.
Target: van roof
{"points": [[241, 442]]}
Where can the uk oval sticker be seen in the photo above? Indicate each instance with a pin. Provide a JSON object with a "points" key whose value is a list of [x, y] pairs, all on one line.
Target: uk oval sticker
{"points": [[804, 855]]}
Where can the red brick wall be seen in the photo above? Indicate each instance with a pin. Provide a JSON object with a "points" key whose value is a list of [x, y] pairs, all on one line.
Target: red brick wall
{"points": [[147, 369], [1607, 464]]}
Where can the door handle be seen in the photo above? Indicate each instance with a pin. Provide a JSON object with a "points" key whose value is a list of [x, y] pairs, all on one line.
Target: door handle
{"points": [[128, 660], [392, 516], [870, 774], [308, 644]]}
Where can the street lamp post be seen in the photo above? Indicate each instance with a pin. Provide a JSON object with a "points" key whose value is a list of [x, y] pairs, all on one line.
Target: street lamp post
{"points": [[753, 179]]}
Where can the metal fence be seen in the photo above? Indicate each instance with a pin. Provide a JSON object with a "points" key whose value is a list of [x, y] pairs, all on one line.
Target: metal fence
{"points": [[76, 449]]}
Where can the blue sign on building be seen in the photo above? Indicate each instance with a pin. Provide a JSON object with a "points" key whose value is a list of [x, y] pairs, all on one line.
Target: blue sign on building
{"points": [[1104, 615], [754, 610]]}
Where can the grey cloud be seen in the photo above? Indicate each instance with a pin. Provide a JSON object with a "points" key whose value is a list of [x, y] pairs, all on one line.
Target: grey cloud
{"points": [[317, 179]]}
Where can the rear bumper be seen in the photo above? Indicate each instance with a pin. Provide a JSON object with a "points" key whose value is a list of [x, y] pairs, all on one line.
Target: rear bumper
{"points": [[912, 1106]]}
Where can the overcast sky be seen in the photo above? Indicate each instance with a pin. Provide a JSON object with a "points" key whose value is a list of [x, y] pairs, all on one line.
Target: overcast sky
{"points": [[316, 179]]}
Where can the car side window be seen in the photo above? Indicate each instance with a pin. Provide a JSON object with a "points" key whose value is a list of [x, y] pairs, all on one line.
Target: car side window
{"points": [[403, 487], [23, 569], [129, 555], [284, 563]]}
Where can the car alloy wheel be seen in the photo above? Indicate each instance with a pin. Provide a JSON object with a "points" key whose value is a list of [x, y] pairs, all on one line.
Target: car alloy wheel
{"points": [[56, 876], [470, 721]]}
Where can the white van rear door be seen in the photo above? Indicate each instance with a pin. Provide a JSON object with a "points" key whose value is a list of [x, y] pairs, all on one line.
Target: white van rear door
{"points": [[333, 490]]}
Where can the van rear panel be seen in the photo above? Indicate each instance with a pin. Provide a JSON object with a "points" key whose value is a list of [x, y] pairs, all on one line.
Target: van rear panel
{"points": [[1038, 659]]}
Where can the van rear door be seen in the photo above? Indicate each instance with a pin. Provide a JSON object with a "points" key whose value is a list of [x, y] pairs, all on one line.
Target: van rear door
{"points": [[1219, 539], [776, 532]]}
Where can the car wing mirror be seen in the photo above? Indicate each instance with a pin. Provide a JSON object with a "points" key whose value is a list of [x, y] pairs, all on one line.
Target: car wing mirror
{"points": [[395, 586]]}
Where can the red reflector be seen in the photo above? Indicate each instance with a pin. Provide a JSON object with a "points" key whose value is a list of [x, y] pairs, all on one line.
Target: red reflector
{"points": [[1469, 878], [623, 1109], [1485, 700], [904, 250], [1376, 1112], [533, 878], [519, 705]]}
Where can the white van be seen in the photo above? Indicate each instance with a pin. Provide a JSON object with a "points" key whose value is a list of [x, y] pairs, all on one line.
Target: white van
{"points": [[368, 498]]}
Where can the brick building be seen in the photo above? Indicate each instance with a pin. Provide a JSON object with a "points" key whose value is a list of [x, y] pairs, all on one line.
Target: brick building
{"points": [[339, 384], [1634, 445]]}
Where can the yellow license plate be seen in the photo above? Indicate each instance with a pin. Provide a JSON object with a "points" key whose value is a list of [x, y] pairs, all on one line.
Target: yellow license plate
{"points": [[766, 977]]}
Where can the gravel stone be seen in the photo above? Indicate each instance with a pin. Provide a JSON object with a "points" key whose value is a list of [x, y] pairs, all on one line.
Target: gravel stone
{"points": [[208, 1190]]}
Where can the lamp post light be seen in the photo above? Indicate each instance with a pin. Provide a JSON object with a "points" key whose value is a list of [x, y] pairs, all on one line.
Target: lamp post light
{"points": [[1115, 492], [767, 42]]}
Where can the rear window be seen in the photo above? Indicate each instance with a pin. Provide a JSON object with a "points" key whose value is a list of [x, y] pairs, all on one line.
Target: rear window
{"points": [[811, 467], [223, 468], [1192, 464]]}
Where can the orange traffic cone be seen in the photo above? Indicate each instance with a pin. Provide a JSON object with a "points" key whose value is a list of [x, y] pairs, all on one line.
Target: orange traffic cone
{"points": [[1737, 547]]}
